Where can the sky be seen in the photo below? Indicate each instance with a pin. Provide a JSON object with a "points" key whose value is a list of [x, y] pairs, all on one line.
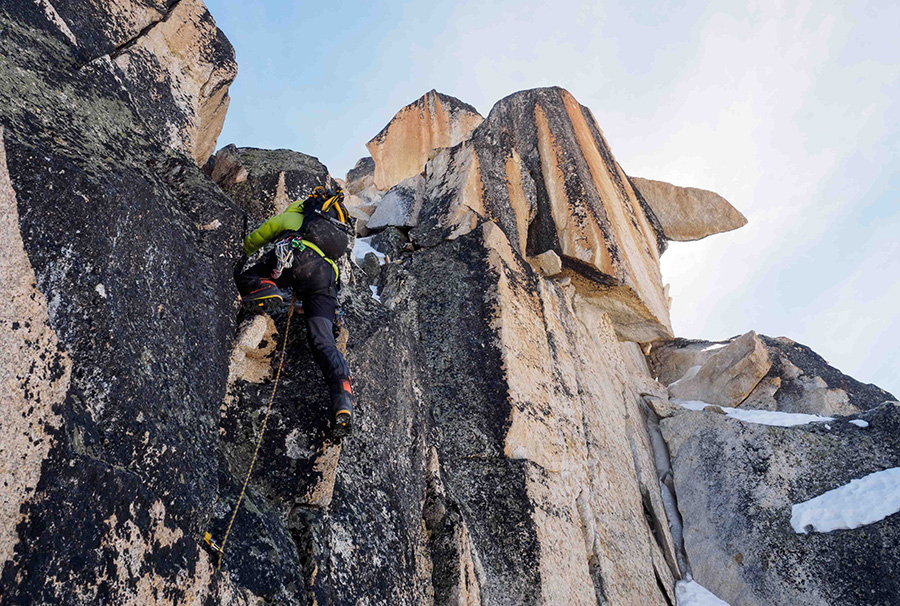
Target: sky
{"points": [[790, 110]]}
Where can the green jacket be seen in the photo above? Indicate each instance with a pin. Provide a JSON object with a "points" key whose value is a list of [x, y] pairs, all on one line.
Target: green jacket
{"points": [[290, 220]]}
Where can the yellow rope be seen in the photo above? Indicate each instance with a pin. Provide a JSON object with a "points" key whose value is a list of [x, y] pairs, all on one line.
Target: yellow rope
{"points": [[262, 430]]}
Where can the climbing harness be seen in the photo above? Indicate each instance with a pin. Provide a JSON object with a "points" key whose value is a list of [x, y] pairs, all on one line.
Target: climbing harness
{"points": [[220, 549], [284, 254]]}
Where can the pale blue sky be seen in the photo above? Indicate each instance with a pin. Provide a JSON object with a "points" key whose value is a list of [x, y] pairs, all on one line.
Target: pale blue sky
{"points": [[789, 110]]}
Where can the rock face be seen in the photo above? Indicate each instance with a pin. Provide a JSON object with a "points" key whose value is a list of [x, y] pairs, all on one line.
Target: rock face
{"points": [[169, 56], [790, 377], [403, 147], [122, 324], [361, 176], [736, 484], [728, 376], [400, 206], [507, 445], [540, 168], [263, 181], [688, 213]]}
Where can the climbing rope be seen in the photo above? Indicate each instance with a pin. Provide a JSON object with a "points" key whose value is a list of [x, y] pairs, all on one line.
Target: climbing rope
{"points": [[220, 549]]}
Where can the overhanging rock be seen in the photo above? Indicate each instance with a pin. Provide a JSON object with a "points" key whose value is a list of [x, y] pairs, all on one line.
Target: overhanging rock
{"points": [[541, 169]]}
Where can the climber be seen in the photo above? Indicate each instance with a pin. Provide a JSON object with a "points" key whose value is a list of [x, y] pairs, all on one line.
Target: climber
{"points": [[310, 235]]}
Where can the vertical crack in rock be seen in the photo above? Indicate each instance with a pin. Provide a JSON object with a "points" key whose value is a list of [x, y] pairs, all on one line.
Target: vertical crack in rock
{"points": [[454, 570]]}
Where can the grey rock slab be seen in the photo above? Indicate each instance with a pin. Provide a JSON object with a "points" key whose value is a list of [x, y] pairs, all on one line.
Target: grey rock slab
{"points": [[400, 206], [736, 482]]}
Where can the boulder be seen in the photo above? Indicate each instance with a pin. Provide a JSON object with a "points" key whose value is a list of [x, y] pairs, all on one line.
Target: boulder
{"points": [[672, 360], [392, 242], [728, 376], [798, 380], [688, 213], [400, 206], [361, 176], [403, 147], [265, 181], [549, 263], [540, 168], [738, 485]]}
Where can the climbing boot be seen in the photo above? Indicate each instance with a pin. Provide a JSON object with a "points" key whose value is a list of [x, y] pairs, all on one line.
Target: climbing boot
{"points": [[342, 411], [266, 298]]}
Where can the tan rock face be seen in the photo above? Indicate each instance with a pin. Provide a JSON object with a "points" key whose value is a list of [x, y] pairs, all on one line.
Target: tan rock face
{"points": [[574, 397], [186, 56], [549, 263], [403, 147], [34, 371], [729, 375], [688, 213], [540, 168]]}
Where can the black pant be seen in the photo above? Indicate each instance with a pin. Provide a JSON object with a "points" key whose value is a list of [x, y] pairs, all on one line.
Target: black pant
{"points": [[314, 284]]}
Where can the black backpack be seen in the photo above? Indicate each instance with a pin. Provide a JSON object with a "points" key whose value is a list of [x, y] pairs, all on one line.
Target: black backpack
{"points": [[326, 222]]}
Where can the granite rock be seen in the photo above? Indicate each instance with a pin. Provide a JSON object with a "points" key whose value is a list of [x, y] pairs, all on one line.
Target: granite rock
{"points": [[403, 147], [688, 213]]}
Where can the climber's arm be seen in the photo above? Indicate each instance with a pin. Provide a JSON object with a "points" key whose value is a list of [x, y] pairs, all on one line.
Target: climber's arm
{"points": [[265, 234]]}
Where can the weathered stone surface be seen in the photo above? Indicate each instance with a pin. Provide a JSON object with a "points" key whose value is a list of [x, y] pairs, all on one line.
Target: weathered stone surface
{"points": [[361, 176], [265, 181], [167, 55], [400, 206], [540, 168], [728, 376], [548, 263], [391, 242], [186, 65], [403, 147], [34, 371], [109, 223], [736, 483], [688, 213], [546, 425], [672, 360], [799, 380]]}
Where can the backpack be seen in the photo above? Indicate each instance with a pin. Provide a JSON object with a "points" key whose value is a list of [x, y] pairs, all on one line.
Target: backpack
{"points": [[326, 222]]}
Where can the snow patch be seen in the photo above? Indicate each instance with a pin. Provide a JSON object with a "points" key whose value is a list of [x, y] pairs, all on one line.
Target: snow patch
{"points": [[761, 417], [716, 346], [374, 290], [101, 290], [690, 374], [692, 593], [860, 423], [863, 501], [362, 247]]}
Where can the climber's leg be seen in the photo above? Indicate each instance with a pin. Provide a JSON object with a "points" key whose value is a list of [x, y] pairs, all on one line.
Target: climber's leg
{"points": [[319, 309], [259, 291]]}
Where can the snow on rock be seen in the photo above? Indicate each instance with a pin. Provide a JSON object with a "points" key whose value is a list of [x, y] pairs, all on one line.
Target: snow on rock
{"points": [[863, 501], [763, 417], [362, 247], [692, 593], [715, 346], [859, 423], [690, 374]]}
